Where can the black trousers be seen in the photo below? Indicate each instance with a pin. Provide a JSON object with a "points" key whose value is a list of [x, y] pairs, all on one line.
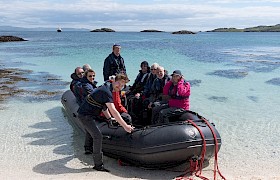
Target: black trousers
{"points": [[89, 138], [93, 137]]}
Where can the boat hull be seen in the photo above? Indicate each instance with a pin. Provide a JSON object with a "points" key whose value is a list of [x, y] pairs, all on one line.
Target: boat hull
{"points": [[155, 146]]}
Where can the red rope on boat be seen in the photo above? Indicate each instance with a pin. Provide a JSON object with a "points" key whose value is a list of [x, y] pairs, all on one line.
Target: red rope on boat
{"points": [[194, 167], [216, 168]]}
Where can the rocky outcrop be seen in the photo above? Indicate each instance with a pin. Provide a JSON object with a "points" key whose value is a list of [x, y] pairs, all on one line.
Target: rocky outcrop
{"points": [[151, 30], [10, 38], [103, 30], [183, 32], [14, 82]]}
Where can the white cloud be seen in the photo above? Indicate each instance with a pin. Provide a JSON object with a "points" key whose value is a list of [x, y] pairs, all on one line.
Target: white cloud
{"points": [[163, 15]]}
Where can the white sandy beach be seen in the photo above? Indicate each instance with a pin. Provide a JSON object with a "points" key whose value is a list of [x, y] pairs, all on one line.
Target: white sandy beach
{"points": [[48, 147]]}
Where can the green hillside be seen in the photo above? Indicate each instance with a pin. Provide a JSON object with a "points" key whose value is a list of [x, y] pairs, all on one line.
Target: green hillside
{"points": [[275, 28]]}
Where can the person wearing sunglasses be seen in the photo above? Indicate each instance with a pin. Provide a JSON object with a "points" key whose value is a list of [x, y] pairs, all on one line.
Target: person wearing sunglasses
{"points": [[75, 83], [156, 99], [150, 80], [88, 82], [101, 100]]}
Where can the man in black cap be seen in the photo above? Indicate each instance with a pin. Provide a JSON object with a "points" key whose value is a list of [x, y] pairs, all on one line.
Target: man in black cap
{"points": [[114, 63]]}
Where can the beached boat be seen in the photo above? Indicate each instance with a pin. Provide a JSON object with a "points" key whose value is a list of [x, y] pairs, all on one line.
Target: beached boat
{"points": [[155, 146]]}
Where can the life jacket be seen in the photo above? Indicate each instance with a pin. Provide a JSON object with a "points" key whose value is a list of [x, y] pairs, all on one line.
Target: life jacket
{"points": [[173, 93]]}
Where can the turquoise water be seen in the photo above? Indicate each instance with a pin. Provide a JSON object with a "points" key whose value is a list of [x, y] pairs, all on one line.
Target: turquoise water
{"points": [[235, 81]]}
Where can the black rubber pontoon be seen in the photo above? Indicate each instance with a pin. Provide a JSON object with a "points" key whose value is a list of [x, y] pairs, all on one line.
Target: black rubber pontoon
{"points": [[155, 146]]}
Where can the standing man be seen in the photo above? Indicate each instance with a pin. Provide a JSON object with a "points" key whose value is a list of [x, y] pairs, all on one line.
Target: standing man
{"points": [[101, 99], [114, 63]]}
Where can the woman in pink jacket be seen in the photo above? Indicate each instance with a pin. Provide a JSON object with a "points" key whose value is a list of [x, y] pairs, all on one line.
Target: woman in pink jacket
{"points": [[179, 92]]}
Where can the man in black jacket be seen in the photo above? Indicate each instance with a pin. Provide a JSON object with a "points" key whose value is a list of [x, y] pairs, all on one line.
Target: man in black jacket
{"points": [[101, 100], [114, 63], [76, 80]]}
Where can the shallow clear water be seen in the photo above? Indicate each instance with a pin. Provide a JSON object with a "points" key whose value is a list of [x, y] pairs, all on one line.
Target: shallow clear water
{"points": [[235, 81]]}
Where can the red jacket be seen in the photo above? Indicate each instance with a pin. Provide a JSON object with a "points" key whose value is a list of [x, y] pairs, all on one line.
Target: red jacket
{"points": [[117, 102], [179, 94]]}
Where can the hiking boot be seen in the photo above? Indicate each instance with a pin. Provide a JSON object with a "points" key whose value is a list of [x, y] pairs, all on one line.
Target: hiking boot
{"points": [[101, 168]]}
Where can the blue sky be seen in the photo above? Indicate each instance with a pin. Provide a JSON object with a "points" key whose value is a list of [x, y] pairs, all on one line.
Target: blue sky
{"points": [[136, 15]]}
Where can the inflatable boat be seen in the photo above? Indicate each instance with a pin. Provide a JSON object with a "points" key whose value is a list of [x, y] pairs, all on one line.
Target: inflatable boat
{"points": [[155, 146]]}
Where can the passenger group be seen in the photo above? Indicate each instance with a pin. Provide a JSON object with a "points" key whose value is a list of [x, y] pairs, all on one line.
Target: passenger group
{"points": [[154, 98]]}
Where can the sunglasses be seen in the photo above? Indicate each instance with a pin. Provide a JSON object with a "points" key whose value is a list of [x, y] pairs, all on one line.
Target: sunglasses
{"points": [[91, 76], [153, 69], [81, 73]]}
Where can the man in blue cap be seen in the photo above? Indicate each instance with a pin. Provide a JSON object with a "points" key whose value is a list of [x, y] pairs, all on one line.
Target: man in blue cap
{"points": [[114, 63]]}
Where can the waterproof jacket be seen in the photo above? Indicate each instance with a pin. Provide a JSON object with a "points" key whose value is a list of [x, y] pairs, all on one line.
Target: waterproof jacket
{"points": [[76, 88], [118, 103], [179, 94], [113, 65], [157, 88], [75, 79], [148, 85], [87, 87], [140, 81]]}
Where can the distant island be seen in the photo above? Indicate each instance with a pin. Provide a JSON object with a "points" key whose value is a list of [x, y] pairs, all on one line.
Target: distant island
{"points": [[183, 32], [150, 30], [103, 30], [275, 28], [10, 39]]}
